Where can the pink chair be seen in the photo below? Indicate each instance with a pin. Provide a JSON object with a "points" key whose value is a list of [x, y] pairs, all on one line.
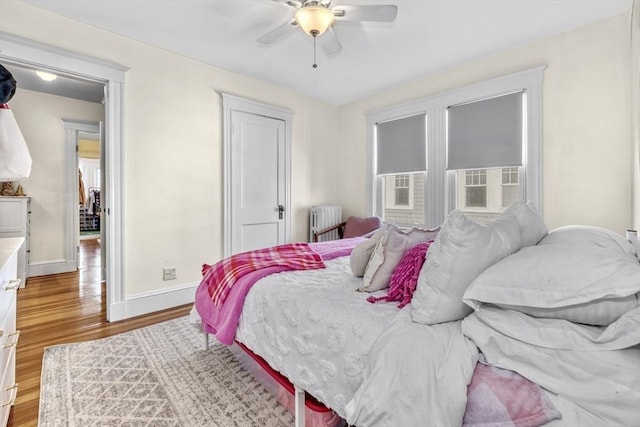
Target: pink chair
{"points": [[354, 226]]}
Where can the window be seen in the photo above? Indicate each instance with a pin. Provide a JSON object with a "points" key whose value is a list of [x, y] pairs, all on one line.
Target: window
{"points": [[482, 194], [476, 188], [401, 189], [403, 201], [400, 163], [486, 133], [441, 186], [510, 176], [510, 186]]}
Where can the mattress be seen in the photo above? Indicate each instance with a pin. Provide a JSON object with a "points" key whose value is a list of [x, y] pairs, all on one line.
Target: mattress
{"points": [[315, 329]]}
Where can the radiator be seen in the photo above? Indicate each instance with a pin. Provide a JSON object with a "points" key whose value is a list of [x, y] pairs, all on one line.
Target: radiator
{"points": [[324, 216]]}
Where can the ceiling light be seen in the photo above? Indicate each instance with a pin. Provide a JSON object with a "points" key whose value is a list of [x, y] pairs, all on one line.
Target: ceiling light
{"points": [[47, 77], [314, 19]]}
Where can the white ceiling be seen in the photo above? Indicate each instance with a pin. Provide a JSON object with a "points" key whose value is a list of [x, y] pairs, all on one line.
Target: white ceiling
{"points": [[427, 35]]}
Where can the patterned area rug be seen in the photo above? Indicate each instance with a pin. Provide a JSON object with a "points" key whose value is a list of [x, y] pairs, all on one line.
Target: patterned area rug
{"points": [[155, 376]]}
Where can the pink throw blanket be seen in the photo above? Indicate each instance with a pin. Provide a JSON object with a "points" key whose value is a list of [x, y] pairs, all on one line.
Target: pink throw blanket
{"points": [[222, 319], [502, 398], [223, 275]]}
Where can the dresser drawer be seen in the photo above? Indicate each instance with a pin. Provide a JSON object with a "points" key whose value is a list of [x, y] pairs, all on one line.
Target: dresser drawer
{"points": [[8, 285], [8, 344], [8, 340], [8, 388]]}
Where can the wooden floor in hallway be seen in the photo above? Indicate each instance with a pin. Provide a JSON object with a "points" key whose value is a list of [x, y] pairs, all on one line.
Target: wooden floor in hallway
{"points": [[64, 308]]}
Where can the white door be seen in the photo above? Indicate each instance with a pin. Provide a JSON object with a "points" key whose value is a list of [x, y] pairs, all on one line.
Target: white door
{"points": [[258, 182]]}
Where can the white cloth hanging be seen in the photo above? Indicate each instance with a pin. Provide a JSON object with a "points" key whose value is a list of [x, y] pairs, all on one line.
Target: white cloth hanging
{"points": [[15, 160]]}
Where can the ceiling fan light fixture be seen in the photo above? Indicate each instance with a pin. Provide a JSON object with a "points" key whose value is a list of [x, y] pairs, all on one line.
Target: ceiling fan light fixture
{"points": [[314, 19]]}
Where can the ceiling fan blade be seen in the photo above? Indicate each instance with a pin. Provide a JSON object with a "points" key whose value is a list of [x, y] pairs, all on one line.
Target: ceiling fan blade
{"points": [[329, 41], [278, 32], [293, 3], [379, 13]]}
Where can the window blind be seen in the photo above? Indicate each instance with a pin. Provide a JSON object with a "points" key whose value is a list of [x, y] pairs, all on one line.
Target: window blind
{"points": [[485, 134], [401, 145]]}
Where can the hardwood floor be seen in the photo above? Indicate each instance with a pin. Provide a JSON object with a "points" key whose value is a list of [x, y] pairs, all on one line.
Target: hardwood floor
{"points": [[59, 309]]}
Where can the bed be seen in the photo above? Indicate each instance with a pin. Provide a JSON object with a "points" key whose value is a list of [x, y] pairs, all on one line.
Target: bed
{"points": [[506, 324]]}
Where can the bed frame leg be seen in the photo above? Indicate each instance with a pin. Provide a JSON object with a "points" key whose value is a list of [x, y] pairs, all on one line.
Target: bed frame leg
{"points": [[299, 406]]}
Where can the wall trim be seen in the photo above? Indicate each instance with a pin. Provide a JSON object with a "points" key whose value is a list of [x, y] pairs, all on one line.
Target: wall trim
{"points": [[150, 302], [56, 266]]}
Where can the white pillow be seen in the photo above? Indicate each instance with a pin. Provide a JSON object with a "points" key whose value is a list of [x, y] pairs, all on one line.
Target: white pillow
{"points": [[590, 236], [601, 312], [582, 284], [361, 253], [532, 226], [393, 245], [462, 250]]}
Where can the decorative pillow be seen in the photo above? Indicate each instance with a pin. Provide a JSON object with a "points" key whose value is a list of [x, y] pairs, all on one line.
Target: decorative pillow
{"points": [[388, 253], [582, 284], [499, 397], [462, 250], [361, 253], [532, 226], [589, 236], [405, 276]]}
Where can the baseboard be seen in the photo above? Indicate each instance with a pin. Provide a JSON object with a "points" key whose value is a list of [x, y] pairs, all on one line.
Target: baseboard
{"points": [[149, 302], [89, 236], [51, 267]]}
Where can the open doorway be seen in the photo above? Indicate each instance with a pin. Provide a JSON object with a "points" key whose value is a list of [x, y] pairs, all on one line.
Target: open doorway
{"points": [[20, 51], [85, 177], [89, 191], [88, 142]]}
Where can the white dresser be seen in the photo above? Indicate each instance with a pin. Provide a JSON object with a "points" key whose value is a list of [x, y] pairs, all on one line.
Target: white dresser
{"points": [[15, 221], [9, 282]]}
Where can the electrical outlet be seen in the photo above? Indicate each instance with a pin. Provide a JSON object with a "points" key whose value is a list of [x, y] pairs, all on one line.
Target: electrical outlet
{"points": [[168, 273]]}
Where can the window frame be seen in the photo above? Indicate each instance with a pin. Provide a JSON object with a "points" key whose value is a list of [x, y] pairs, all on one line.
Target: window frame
{"points": [[440, 186]]}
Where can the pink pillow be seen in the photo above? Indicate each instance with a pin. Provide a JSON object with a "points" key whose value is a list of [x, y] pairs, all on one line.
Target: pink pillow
{"points": [[405, 276]]}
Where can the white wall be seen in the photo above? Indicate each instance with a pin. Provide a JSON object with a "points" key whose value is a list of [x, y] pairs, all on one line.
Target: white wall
{"points": [[173, 147], [39, 116], [587, 145]]}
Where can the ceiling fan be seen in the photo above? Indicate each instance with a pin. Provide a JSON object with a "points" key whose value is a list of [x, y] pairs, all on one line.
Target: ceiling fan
{"points": [[316, 17]]}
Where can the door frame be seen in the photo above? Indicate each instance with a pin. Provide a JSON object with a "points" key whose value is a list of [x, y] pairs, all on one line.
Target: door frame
{"points": [[24, 52], [72, 215], [231, 103]]}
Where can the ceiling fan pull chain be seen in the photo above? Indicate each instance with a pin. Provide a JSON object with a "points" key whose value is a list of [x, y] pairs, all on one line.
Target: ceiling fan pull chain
{"points": [[314, 53]]}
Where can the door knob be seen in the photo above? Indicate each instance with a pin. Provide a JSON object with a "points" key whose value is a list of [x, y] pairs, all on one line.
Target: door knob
{"points": [[280, 211]]}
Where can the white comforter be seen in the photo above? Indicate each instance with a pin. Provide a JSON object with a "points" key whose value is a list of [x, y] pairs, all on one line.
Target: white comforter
{"points": [[314, 328], [329, 340], [417, 376], [375, 367]]}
